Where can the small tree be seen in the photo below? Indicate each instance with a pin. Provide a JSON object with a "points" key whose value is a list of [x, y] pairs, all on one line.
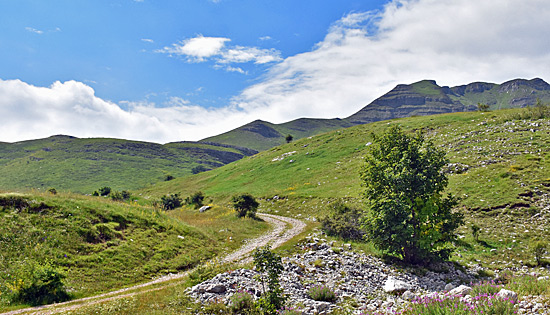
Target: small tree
{"points": [[170, 202], [289, 138], [168, 177], [196, 199], [245, 205], [406, 212], [270, 266]]}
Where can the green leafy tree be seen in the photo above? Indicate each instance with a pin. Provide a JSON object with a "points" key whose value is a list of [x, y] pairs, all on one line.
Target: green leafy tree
{"points": [[245, 205], [289, 138], [406, 212], [270, 266]]}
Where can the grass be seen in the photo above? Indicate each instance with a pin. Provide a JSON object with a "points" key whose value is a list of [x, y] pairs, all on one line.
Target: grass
{"points": [[103, 245], [84, 165]]}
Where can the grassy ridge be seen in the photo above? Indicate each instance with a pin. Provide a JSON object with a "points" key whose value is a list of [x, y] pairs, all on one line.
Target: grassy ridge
{"points": [[102, 245], [84, 165]]}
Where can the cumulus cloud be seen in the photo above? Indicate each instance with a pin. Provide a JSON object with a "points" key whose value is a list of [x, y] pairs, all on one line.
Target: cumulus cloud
{"points": [[201, 48], [363, 55], [30, 112], [34, 30]]}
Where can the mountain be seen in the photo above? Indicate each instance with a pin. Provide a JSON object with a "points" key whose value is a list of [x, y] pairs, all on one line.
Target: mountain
{"points": [[405, 100], [84, 165]]}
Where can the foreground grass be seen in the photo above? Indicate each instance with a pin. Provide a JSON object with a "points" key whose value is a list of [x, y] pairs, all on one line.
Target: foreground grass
{"points": [[101, 245]]}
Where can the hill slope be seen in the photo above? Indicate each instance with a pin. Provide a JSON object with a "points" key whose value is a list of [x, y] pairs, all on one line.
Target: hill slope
{"points": [[84, 165], [499, 159]]}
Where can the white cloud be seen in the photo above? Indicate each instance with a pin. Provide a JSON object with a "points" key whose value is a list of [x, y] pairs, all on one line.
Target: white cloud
{"points": [[362, 56], [365, 54], [34, 30], [200, 49], [147, 40], [71, 108]]}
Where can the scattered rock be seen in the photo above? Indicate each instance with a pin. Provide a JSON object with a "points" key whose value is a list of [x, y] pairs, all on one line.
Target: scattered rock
{"points": [[204, 208]]}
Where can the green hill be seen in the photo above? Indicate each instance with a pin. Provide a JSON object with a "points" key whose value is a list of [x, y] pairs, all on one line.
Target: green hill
{"points": [[84, 165]]}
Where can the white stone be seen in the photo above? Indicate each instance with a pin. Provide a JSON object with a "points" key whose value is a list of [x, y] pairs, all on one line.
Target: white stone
{"points": [[394, 285], [461, 290], [507, 294]]}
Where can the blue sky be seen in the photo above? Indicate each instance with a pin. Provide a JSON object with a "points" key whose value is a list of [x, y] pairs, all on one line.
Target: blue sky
{"points": [[114, 45], [184, 70]]}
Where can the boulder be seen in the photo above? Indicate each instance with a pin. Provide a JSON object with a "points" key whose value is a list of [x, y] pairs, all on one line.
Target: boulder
{"points": [[393, 285], [507, 295], [204, 208], [461, 290]]}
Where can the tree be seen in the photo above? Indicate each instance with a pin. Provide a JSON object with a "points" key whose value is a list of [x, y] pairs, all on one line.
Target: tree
{"points": [[406, 212], [245, 205], [289, 138], [482, 107]]}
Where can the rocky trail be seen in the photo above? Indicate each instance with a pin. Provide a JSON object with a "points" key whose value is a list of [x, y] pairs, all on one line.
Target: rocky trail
{"points": [[284, 229]]}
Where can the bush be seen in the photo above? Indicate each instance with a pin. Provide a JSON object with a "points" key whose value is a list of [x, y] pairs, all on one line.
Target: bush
{"points": [[343, 222], [322, 293], [538, 249], [242, 302], [43, 284], [168, 178], [52, 191], [245, 205], [170, 202], [104, 191], [120, 195], [196, 199], [475, 232]]}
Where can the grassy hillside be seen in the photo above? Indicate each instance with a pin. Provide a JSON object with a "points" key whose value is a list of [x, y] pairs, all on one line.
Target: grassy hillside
{"points": [[103, 245], [84, 165], [499, 170], [500, 157], [262, 135]]}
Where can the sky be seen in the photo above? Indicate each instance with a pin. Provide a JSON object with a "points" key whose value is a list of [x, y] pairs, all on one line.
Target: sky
{"points": [[172, 70]]}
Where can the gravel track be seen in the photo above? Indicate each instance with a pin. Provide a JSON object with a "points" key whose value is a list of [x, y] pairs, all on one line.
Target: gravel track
{"points": [[276, 237]]}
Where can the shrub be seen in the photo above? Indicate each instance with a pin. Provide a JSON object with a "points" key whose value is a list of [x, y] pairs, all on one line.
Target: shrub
{"points": [[120, 195], [289, 311], [322, 293], [42, 284], [475, 232], [168, 178], [343, 221], [242, 302], [245, 205], [104, 191], [199, 169], [195, 199], [170, 202], [538, 249], [52, 191]]}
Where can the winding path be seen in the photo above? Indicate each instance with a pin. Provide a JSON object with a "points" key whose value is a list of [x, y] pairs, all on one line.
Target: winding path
{"points": [[280, 234]]}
